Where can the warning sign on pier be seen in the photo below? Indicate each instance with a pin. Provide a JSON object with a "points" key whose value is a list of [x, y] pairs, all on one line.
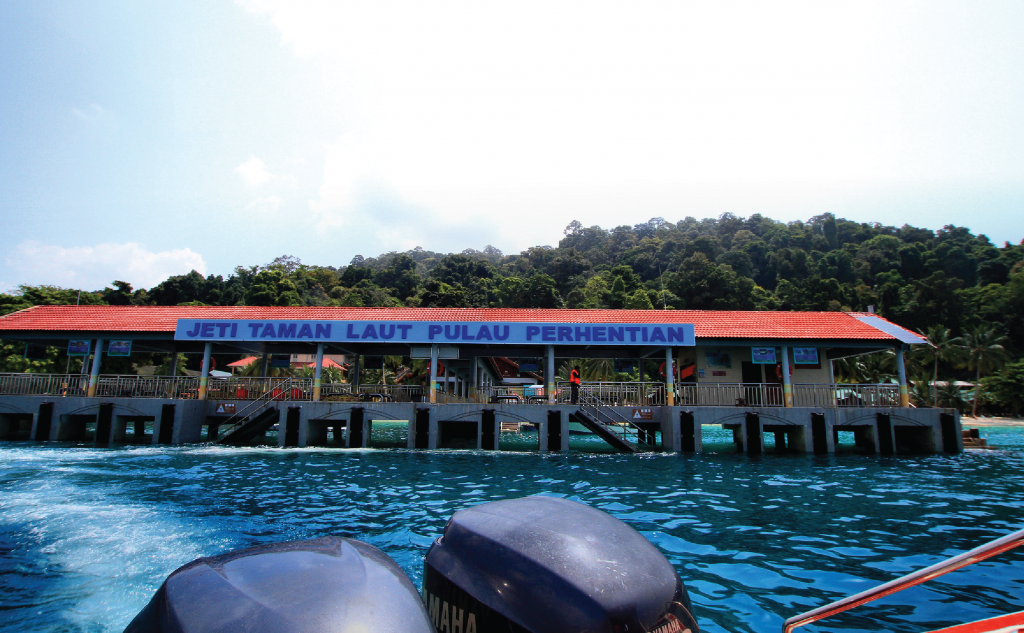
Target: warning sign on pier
{"points": [[226, 407], [643, 414]]}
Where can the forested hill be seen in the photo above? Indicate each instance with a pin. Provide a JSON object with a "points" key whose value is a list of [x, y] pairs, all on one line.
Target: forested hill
{"points": [[948, 280], [915, 277]]}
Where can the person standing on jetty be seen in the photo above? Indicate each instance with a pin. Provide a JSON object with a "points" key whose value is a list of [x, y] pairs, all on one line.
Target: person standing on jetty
{"points": [[574, 384]]}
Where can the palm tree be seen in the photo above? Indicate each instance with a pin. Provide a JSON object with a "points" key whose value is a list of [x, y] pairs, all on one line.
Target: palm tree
{"points": [[941, 347], [328, 374], [849, 369], [950, 396], [983, 351], [867, 368], [879, 367], [255, 369], [598, 369]]}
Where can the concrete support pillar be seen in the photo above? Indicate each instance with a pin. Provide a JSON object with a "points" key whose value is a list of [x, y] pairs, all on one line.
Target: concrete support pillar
{"points": [[174, 362], [901, 370], [265, 365], [318, 371], [474, 377], [42, 422], [433, 374], [780, 440], [204, 377], [642, 368], [549, 375], [104, 425], [94, 376], [446, 387], [753, 442], [282, 427], [423, 428], [787, 380], [353, 378], [687, 437], [670, 378]]}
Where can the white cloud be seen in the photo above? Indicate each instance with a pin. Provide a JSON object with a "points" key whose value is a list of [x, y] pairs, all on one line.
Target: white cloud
{"points": [[520, 117], [95, 115], [253, 172], [265, 204], [93, 267]]}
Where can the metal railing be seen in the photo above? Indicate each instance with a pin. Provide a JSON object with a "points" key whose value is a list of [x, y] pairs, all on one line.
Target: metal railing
{"points": [[44, 384], [453, 398], [885, 395], [987, 550], [178, 387], [614, 422], [521, 394], [609, 393], [248, 388], [622, 394], [241, 416], [390, 393], [721, 394]]}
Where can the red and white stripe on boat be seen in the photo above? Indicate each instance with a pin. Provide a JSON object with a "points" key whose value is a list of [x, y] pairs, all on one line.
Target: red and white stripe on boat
{"points": [[1009, 623]]}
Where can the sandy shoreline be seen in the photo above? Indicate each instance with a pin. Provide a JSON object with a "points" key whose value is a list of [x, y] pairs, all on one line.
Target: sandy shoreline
{"points": [[967, 421]]}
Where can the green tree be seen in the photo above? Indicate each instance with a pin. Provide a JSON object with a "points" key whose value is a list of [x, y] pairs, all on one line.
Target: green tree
{"points": [[639, 301], [983, 351], [942, 347], [437, 294], [272, 287], [703, 285], [1006, 387]]}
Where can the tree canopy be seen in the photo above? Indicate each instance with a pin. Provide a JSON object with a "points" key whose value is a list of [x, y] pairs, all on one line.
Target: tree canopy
{"points": [[921, 279]]}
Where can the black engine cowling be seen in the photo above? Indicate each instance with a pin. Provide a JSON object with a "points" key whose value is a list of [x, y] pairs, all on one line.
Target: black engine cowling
{"points": [[547, 565], [321, 585]]}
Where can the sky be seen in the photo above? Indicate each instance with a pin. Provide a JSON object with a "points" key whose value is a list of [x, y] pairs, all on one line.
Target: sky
{"points": [[142, 140]]}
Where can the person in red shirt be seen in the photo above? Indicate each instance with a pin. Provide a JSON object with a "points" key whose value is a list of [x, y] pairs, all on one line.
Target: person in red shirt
{"points": [[574, 384]]}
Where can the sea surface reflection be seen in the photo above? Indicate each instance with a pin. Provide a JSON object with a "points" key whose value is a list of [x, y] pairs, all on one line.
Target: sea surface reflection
{"points": [[87, 535]]}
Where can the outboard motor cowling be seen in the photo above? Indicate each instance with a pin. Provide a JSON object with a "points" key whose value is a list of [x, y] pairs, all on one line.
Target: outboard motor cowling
{"points": [[322, 585], [547, 565]]}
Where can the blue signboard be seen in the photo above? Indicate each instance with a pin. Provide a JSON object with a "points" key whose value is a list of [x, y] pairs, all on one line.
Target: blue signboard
{"points": [[763, 355], [443, 332]]}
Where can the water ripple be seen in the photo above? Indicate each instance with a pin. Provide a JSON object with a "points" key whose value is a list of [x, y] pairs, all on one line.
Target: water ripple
{"points": [[87, 535]]}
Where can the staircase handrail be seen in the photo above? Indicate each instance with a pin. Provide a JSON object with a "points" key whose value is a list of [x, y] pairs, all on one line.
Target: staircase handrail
{"points": [[588, 400], [258, 402]]}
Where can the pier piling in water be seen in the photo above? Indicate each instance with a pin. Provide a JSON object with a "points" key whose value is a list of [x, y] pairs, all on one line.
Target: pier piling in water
{"points": [[116, 421]]}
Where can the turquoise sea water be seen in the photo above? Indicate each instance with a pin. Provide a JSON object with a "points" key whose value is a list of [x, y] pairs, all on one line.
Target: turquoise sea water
{"points": [[87, 535]]}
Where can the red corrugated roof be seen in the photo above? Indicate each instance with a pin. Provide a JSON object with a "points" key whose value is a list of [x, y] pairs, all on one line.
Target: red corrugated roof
{"points": [[245, 362], [708, 323]]}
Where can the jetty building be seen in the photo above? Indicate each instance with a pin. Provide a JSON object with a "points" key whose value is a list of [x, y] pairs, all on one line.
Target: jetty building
{"points": [[753, 372]]}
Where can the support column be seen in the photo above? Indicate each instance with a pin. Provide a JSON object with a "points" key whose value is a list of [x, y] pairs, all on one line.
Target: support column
{"points": [[901, 369], [204, 377], [433, 374], [174, 362], [317, 371], [265, 365], [787, 381], [670, 378], [94, 376], [353, 378], [474, 376], [549, 375]]}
